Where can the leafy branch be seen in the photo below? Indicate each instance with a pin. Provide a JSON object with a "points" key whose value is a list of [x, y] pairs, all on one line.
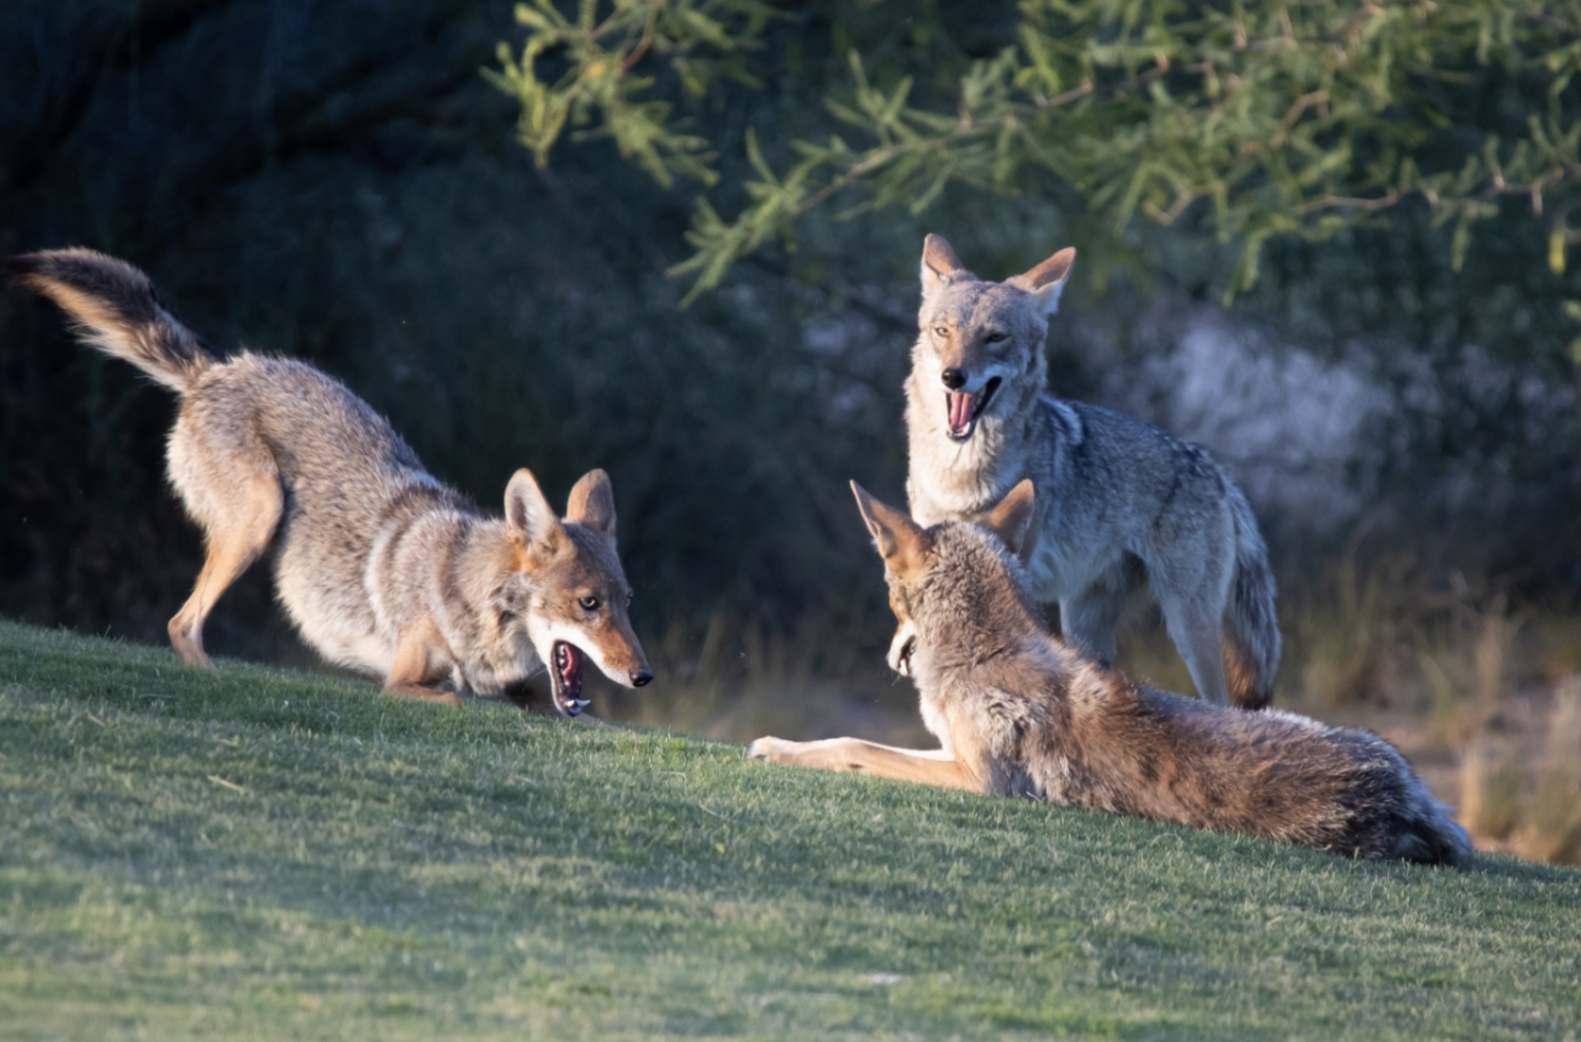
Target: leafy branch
{"points": [[695, 43], [1261, 119]]}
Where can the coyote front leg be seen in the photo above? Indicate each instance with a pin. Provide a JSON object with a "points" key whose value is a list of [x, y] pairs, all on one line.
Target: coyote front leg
{"points": [[408, 676], [855, 756]]}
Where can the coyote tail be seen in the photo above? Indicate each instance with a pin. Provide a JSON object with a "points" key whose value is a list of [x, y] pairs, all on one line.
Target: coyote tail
{"points": [[114, 309], [1430, 835], [1251, 623]]}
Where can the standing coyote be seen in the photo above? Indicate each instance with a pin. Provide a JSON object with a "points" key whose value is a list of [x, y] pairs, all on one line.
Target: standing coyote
{"points": [[1124, 502], [380, 567], [1018, 712]]}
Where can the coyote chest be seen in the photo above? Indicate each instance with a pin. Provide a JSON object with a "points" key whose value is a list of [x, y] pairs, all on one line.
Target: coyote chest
{"points": [[1074, 548]]}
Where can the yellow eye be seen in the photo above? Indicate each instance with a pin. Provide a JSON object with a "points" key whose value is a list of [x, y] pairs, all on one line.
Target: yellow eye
{"points": [[589, 603]]}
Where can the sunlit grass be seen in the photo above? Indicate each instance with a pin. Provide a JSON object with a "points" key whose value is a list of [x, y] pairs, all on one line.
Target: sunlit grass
{"points": [[258, 853]]}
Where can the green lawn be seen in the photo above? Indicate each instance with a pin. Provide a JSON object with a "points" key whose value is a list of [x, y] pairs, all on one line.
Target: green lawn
{"points": [[255, 853]]}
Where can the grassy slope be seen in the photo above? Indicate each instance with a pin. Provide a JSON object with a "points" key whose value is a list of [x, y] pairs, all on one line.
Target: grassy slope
{"points": [[257, 853]]}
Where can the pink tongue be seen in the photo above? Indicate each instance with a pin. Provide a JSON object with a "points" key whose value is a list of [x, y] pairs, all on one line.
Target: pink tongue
{"points": [[960, 409]]}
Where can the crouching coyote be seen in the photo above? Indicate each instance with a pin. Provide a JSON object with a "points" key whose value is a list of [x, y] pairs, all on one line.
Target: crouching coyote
{"points": [[380, 567], [1018, 712], [1123, 504]]}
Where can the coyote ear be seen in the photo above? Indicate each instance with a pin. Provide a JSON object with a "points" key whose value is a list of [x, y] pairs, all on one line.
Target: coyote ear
{"points": [[592, 503], [528, 514], [939, 264], [900, 540], [1011, 519], [1046, 281]]}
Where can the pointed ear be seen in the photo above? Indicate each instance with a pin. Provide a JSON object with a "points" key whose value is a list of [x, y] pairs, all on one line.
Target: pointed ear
{"points": [[939, 264], [1046, 281], [1011, 519], [592, 503], [900, 540], [528, 514]]}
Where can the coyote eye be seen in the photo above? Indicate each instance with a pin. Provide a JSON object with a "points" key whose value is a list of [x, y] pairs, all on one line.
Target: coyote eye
{"points": [[941, 331], [996, 336], [589, 603]]}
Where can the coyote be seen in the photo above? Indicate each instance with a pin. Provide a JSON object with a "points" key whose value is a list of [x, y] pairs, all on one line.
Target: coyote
{"points": [[380, 567], [1124, 503], [1019, 712]]}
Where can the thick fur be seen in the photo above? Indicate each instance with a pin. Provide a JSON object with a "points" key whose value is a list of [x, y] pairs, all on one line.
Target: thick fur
{"points": [[113, 307], [1125, 505], [381, 567], [1019, 712]]}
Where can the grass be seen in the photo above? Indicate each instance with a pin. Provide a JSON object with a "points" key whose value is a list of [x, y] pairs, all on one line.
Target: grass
{"points": [[257, 853]]}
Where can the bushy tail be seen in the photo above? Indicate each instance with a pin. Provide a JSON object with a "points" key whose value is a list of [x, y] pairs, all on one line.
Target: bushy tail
{"points": [[1251, 621], [114, 309], [1429, 834]]}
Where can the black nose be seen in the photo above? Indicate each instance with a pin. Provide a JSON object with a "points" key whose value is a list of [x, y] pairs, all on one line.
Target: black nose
{"points": [[953, 378], [641, 678]]}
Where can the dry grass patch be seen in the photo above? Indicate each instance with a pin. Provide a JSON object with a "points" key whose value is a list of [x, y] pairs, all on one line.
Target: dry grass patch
{"points": [[1530, 805]]}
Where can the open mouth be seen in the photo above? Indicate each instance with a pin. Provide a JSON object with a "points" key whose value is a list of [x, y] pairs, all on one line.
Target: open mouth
{"points": [[965, 406], [901, 646], [903, 659], [565, 679]]}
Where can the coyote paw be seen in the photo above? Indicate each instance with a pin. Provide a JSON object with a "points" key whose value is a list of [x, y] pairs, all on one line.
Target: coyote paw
{"points": [[188, 643], [774, 750]]}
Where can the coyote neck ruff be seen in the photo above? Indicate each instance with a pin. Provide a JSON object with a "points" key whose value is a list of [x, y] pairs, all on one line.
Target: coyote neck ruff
{"points": [[1018, 712], [380, 567]]}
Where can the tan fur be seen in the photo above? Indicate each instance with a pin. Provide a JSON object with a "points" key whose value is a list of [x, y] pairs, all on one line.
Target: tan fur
{"points": [[232, 546], [412, 670], [90, 313], [380, 567], [1018, 712]]}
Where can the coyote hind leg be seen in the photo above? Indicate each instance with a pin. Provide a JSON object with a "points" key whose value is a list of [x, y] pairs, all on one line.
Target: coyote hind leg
{"points": [[1195, 632], [252, 513], [1089, 620]]}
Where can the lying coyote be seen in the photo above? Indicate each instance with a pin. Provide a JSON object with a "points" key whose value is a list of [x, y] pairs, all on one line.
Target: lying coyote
{"points": [[1018, 712], [380, 567]]}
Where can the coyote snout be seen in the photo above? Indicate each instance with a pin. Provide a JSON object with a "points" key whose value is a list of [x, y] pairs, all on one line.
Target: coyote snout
{"points": [[966, 398]]}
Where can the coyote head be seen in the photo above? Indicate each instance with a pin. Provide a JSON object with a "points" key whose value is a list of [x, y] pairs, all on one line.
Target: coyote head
{"points": [[975, 337], [565, 589], [954, 581]]}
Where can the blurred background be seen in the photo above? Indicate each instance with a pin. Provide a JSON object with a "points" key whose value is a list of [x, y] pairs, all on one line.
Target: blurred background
{"points": [[680, 240]]}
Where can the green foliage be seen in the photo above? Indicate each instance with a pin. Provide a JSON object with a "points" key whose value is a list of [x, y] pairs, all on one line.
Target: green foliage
{"points": [[257, 853], [1264, 120], [694, 43]]}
